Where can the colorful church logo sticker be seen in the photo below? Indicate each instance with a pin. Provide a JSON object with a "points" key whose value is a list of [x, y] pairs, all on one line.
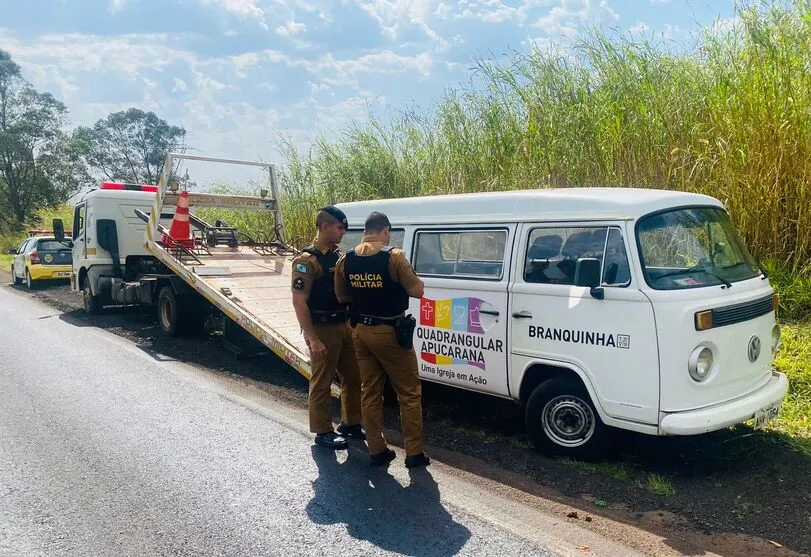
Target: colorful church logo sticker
{"points": [[451, 332]]}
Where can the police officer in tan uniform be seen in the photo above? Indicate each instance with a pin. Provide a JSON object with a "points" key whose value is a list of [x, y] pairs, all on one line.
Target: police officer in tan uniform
{"points": [[324, 323], [377, 280]]}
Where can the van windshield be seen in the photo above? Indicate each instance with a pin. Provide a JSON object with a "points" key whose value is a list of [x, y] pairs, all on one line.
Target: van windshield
{"points": [[692, 248]]}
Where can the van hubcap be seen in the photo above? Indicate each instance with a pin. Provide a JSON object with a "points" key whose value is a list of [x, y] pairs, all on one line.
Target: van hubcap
{"points": [[568, 421]]}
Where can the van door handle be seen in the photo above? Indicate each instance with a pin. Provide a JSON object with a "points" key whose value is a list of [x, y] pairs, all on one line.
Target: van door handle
{"points": [[522, 315], [489, 312]]}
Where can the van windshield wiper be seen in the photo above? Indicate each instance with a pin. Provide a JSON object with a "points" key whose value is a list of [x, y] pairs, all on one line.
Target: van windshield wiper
{"points": [[697, 269]]}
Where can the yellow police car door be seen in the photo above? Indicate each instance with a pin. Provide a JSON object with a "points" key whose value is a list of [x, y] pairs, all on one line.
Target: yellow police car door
{"points": [[462, 318]]}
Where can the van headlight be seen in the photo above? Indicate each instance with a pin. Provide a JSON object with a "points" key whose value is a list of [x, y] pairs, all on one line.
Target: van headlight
{"points": [[775, 337], [700, 363]]}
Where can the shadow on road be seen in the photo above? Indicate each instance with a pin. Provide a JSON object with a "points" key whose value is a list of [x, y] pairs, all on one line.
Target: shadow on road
{"points": [[375, 507]]}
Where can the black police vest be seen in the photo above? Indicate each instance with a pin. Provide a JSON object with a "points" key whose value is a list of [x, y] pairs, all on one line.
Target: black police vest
{"points": [[372, 289], [322, 299]]}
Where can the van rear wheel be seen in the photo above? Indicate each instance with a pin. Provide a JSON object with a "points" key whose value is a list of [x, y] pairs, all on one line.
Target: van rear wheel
{"points": [[562, 420]]}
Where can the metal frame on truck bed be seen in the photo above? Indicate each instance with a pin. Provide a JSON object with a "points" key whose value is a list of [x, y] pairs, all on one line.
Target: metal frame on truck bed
{"points": [[249, 283]]}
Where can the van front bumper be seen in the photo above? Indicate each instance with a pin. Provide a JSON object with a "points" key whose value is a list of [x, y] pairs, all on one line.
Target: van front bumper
{"points": [[712, 418]]}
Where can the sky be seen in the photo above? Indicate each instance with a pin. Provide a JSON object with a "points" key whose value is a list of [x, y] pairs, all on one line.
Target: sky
{"points": [[240, 74]]}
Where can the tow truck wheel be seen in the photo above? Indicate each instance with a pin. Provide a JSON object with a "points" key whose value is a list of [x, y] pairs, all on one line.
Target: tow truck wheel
{"points": [[175, 314], [90, 301], [169, 311], [562, 421]]}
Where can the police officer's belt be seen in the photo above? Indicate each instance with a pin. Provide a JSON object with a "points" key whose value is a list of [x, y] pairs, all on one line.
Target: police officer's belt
{"points": [[320, 318], [372, 321]]}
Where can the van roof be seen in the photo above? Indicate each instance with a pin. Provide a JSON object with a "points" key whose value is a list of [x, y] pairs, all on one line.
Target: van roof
{"points": [[591, 203]]}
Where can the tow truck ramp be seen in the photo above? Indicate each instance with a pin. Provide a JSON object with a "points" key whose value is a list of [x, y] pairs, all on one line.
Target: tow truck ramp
{"points": [[248, 279]]}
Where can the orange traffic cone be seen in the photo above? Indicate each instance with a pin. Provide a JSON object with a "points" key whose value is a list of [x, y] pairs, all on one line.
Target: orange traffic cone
{"points": [[180, 231]]}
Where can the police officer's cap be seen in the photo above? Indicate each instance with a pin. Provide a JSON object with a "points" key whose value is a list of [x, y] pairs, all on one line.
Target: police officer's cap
{"points": [[336, 213]]}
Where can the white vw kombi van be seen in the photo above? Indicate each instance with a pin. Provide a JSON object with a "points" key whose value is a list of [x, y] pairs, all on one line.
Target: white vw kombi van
{"points": [[596, 308]]}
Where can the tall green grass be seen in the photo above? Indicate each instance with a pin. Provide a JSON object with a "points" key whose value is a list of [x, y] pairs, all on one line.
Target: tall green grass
{"points": [[729, 116], [43, 219]]}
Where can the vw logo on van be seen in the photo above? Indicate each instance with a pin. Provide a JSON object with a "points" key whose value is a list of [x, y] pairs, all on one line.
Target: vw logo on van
{"points": [[754, 348]]}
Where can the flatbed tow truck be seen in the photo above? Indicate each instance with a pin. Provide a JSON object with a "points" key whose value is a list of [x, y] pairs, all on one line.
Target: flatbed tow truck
{"points": [[243, 278]]}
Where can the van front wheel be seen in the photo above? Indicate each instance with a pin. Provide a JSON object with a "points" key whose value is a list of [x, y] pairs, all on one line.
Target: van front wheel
{"points": [[562, 421]]}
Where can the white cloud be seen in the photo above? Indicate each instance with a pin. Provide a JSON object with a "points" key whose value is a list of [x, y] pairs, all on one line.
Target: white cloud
{"points": [[392, 15], [180, 86], [336, 116], [291, 28], [152, 73], [241, 63], [246, 9], [488, 11], [76, 52], [574, 12], [117, 5], [676, 34], [639, 29], [725, 25]]}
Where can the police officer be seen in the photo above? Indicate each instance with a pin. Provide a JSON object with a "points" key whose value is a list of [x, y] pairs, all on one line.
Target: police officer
{"points": [[377, 280], [323, 321]]}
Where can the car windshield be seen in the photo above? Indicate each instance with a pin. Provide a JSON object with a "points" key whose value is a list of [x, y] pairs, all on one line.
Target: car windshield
{"points": [[691, 248], [54, 245]]}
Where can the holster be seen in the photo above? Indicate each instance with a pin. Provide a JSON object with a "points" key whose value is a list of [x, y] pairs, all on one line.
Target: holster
{"points": [[404, 330]]}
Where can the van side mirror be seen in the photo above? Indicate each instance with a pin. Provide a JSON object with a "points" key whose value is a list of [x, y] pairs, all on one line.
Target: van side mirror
{"points": [[59, 229], [12, 251], [587, 273]]}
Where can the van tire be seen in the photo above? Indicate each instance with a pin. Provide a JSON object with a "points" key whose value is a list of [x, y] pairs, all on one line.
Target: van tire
{"points": [[562, 420], [17, 280]]}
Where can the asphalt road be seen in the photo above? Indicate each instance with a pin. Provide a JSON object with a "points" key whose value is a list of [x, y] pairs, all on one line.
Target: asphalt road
{"points": [[106, 449]]}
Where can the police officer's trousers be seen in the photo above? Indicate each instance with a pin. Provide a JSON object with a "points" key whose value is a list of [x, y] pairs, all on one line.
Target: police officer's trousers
{"points": [[339, 357], [379, 355]]}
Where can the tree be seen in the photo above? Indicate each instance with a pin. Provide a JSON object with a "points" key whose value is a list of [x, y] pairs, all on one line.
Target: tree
{"points": [[38, 165], [130, 146]]}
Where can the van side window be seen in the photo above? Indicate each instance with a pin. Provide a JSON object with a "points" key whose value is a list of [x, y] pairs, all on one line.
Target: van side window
{"points": [[552, 254], [616, 269], [464, 253]]}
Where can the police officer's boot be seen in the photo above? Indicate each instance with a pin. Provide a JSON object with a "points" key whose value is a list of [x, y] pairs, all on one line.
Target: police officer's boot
{"points": [[354, 431], [382, 458], [331, 440], [416, 460]]}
